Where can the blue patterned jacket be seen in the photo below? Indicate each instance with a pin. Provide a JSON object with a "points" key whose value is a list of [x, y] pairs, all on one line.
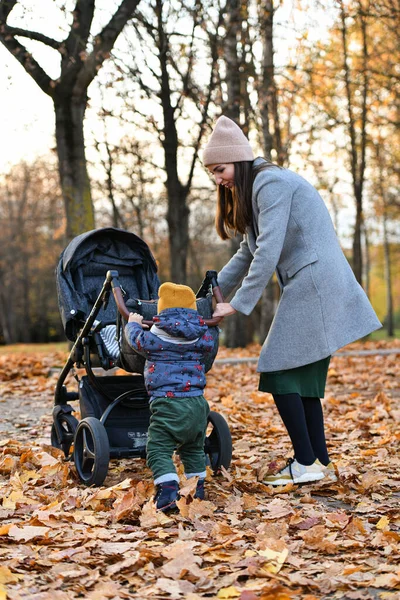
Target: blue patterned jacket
{"points": [[174, 349]]}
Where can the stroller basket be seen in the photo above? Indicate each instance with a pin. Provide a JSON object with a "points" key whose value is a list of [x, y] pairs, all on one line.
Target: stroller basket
{"points": [[126, 435]]}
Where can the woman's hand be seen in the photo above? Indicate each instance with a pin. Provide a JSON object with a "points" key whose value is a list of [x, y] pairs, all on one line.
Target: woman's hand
{"points": [[223, 309]]}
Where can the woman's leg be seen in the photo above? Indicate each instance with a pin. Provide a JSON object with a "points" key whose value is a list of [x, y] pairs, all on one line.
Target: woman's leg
{"points": [[315, 425], [291, 410]]}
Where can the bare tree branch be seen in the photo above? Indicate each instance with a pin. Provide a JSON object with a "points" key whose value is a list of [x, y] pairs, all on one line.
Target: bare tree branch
{"points": [[103, 45], [6, 7], [80, 29], [26, 59], [32, 35]]}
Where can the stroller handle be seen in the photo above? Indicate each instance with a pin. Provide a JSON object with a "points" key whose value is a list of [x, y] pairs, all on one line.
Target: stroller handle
{"points": [[211, 276]]}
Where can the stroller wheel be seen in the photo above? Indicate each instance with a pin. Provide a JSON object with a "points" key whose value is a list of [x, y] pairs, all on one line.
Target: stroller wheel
{"points": [[68, 425], [218, 443], [91, 451]]}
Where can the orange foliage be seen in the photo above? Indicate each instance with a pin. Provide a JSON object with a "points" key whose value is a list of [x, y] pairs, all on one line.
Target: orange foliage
{"points": [[61, 541]]}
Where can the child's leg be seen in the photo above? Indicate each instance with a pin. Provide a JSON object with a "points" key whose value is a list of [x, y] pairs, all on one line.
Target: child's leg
{"points": [[291, 410], [191, 450], [161, 443], [315, 425], [193, 457]]}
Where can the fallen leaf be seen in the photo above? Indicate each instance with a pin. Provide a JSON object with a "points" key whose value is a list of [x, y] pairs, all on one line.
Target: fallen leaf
{"points": [[275, 559], [6, 576], [383, 523], [27, 532], [229, 592]]}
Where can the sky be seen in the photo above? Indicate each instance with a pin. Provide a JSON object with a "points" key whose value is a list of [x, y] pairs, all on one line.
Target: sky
{"points": [[28, 119], [27, 129]]}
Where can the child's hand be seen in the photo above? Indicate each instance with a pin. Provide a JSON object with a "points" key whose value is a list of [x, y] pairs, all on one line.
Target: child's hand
{"points": [[136, 318]]}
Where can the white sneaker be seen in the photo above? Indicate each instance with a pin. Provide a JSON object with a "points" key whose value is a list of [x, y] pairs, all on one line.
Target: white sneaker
{"points": [[294, 472], [329, 472]]}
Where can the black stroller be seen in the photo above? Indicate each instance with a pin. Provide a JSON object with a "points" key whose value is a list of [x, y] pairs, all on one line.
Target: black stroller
{"points": [[115, 408]]}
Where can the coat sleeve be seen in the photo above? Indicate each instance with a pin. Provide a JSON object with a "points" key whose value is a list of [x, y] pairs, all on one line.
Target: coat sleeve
{"points": [[234, 271], [137, 338], [274, 200], [205, 344]]}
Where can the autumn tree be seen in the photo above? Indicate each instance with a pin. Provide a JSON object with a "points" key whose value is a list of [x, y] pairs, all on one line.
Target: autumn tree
{"points": [[81, 54], [267, 89], [341, 76], [233, 91], [170, 61], [31, 239]]}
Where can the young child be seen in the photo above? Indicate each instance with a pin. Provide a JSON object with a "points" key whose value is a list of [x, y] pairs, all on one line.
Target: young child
{"points": [[174, 376]]}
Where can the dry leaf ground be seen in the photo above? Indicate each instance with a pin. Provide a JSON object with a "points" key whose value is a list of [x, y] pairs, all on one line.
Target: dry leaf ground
{"points": [[61, 541]]}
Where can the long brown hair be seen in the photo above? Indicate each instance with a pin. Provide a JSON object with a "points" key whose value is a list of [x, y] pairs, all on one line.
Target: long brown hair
{"points": [[234, 207]]}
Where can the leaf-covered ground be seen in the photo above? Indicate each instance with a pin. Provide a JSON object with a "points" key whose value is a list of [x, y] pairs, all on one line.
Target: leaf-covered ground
{"points": [[61, 541]]}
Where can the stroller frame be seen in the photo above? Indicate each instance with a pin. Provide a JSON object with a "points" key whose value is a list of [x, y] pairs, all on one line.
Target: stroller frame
{"points": [[91, 441]]}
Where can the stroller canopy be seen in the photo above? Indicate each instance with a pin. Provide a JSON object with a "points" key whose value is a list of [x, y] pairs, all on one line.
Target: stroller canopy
{"points": [[82, 269]]}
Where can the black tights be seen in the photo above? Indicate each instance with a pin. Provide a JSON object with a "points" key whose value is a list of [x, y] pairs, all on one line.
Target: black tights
{"points": [[304, 422]]}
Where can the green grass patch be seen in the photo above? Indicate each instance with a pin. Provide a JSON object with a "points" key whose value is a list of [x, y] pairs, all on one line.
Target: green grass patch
{"points": [[381, 334]]}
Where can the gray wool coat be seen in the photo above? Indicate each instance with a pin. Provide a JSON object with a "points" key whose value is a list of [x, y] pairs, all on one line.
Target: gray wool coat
{"points": [[322, 307]]}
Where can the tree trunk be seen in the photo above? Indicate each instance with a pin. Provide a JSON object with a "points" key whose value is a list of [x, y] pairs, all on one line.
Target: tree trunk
{"points": [[7, 314], [266, 82], [25, 333], [268, 107], [238, 327], [178, 230], [236, 330], [74, 178], [367, 266], [178, 211], [388, 278], [233, 61], [358, 143], [386, 243], [357, 250]]}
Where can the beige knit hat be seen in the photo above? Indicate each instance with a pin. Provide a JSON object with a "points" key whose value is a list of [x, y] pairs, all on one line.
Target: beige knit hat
{"points": [[227, 144]]}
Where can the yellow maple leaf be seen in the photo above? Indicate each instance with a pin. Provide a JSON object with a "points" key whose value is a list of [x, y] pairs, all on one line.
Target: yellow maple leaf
{"points": [[229, 592], [275, 559], [15, 497], [383, 522], [7, 576], [28, 475]]}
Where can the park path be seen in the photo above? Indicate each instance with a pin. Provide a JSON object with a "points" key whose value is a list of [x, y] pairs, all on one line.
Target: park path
{"points": [[254, 359]]}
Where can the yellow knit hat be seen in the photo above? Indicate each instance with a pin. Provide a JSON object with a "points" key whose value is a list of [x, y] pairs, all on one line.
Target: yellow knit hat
{"points": [[172, 295]]}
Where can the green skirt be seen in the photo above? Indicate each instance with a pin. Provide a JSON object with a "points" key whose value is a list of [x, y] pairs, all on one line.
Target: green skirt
{"points": [[307, 381]]}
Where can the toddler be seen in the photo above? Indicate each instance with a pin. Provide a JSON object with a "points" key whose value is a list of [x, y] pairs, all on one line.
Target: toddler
{"points": [[174, 349]]}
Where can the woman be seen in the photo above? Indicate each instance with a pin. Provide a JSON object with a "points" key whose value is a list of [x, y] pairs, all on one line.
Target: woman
{"points": [[287, 229]]}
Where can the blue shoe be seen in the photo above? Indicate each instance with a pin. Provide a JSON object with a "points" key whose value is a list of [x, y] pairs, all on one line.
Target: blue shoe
{"points": [[199, 493], [166, 495]]}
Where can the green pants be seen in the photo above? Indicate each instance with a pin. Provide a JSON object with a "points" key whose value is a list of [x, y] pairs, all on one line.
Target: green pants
{"points": [[177, 424]]}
